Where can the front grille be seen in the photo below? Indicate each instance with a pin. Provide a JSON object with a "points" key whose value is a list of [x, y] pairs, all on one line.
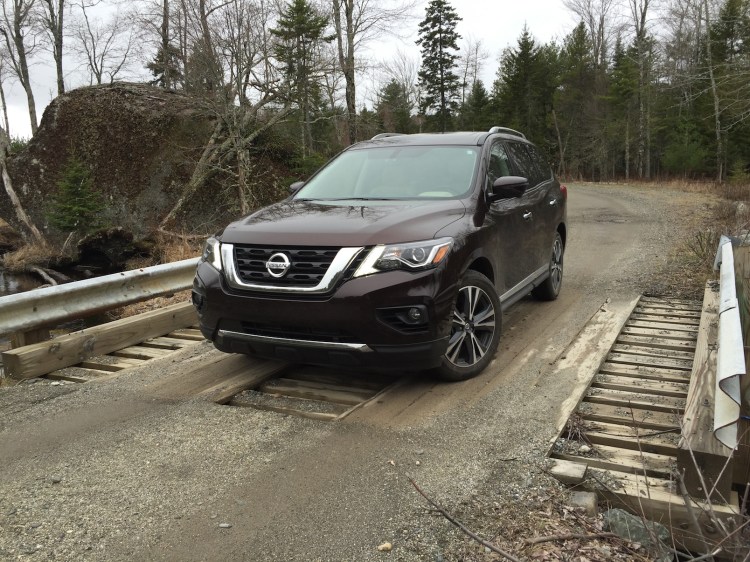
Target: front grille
{"points": [[308, 265], [297, 333]]}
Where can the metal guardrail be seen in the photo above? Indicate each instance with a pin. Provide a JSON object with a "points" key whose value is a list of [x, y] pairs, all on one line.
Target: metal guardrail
{"points": [[51, 305], [730, 353]]}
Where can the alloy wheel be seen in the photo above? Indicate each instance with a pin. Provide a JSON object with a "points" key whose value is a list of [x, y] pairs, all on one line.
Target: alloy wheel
{"points": [[473, 327]]}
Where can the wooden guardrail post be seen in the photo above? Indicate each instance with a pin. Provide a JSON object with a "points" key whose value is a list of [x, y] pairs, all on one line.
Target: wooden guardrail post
{"points": [[742, 277], [701, 457]]}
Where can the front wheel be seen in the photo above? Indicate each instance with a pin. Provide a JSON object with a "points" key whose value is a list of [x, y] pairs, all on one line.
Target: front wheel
{"points": [[550, 288], [475, 332]]}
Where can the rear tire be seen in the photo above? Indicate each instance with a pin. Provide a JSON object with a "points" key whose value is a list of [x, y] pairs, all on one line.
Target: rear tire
{"points": [[550, 288], [475, 331]]}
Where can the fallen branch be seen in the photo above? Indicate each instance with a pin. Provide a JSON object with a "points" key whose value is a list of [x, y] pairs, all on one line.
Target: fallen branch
{"points": [[458, 524], [43, 274], [572, 536]]}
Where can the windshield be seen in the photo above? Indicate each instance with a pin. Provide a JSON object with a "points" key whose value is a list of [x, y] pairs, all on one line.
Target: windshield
{"points": [[403, 172]]}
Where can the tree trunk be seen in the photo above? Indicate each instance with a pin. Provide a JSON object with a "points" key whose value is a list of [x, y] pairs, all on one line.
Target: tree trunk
{"points": [[715, 95], [24, 71], [165, 45], [346, 60], [20, 212], [5, 106]]}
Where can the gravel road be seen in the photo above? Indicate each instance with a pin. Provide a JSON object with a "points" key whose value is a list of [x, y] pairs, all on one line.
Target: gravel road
{"points": [[137, 468]]}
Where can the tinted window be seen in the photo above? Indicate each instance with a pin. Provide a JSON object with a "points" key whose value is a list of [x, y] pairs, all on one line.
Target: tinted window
{"points": [[499, 164], [524, 162], [545, 171]]}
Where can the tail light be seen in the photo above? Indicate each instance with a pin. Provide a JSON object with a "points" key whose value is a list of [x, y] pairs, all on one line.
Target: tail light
{"points": [[564, 191]]}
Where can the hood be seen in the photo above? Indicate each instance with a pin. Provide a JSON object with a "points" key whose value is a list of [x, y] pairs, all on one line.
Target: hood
{"points": [[344, 223]]}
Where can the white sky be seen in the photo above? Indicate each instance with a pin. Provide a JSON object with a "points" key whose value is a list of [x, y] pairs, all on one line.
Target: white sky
{"points": [[497, 23]]}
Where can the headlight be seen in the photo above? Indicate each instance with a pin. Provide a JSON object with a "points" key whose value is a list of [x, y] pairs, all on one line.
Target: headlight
{"points": [[211, 253], [414, 256]]}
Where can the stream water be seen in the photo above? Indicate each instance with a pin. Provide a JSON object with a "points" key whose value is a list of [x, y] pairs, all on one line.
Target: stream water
{"points": [[11, 283]]}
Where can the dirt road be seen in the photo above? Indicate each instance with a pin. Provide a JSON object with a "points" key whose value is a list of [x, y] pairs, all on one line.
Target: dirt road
{"points": [[136, 469]]}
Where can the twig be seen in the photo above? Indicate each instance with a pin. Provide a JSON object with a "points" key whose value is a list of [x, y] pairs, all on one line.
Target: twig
{"points": [[458, 524], [579, 536], [691, 512]]}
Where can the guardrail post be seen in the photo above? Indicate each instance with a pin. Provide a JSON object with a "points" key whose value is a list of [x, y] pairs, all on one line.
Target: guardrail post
{"points": [[19, 339], [742, 278]]}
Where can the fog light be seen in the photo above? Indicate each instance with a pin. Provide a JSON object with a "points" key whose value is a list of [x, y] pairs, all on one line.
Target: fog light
{"points": [[416, 315]]}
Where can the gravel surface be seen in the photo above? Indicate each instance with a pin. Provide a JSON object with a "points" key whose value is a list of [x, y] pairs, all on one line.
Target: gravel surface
{"points": [[139, 467]]}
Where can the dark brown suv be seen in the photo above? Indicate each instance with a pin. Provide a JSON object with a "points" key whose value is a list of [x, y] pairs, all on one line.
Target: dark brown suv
{"points": [[400, 253]]}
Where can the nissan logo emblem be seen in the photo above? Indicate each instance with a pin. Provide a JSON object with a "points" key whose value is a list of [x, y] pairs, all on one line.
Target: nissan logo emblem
{"points": [[278, 264]]}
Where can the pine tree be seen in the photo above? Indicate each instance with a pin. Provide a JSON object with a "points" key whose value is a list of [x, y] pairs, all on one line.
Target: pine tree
{"points": [[301, 30], [77, 206], [394, 108], [439, 42]]}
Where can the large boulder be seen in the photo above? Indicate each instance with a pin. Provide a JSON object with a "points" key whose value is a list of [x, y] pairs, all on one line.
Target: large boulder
{"points": [[140, 143]]}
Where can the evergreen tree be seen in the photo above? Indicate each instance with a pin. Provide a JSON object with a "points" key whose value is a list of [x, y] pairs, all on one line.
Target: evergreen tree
{"points": [[394, 108], [77, 206], [439, 42], [301, 31], [525, 87], [476, 113]]}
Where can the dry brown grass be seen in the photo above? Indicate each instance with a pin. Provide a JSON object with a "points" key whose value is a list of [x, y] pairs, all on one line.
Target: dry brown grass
{"points": [[27, 256]]}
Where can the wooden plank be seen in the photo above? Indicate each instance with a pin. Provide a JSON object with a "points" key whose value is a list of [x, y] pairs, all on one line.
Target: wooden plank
{"points": [[626, 359], [140, 352], [654, 499], [665, 319], [662, 326], [672, 312], [29, 337], [643, 419], [742, 278], [250, 376], [55, 376], [324, 416], [657, 343], [626, 460], [187, 334], [629, 399], [700, 454], [643, 386], [581, 360], [646, 373], [163, 342], [329, 376], [110, 367], [629, 437], [662, 334], [671, 303], [315, 391], [65, 351], [653, 352]]}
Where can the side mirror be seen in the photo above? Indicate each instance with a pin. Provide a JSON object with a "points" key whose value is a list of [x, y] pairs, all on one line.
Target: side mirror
{"points": [[295, 187], [508, 187]]}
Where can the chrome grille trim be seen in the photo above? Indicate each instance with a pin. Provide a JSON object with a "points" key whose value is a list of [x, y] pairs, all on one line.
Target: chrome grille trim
{"points": [[298, 343], [340, 263]]}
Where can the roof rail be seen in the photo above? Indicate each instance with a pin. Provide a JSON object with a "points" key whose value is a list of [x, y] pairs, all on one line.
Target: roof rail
{"points": [[386, 135], [508, 131]]}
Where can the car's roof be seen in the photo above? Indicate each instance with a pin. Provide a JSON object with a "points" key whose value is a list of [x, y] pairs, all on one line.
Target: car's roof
{"points": [[429, 139]]}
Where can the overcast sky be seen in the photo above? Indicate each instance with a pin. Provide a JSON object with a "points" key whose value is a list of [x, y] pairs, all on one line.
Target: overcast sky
{"points": [[497, 24]]}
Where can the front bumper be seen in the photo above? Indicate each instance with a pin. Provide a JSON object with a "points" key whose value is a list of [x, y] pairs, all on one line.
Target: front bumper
{"points": [[352, 327]]}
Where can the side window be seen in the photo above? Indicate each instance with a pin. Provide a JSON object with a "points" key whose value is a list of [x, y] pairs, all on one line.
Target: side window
{"points": [[524, 162], [499, 165], [545, 171]]}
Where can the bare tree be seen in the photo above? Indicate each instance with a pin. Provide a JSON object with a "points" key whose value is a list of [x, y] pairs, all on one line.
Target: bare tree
{"points": [[404, 69], [472, 59], [53, 19], [15, 27], [599, 17], [105, 46], [639, 11], [356, 22], [3, 73]]}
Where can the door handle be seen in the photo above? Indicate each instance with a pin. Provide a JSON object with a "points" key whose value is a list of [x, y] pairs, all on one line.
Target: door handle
{"points": [[552, 202], [527, 215]]}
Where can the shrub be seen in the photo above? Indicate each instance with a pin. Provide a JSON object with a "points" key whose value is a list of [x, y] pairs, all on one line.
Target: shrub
{"points": [[77, 206]]}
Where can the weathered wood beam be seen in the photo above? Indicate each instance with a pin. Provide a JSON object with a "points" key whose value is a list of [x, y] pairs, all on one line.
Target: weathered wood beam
{"points": [[71, 349], [706, 462]]}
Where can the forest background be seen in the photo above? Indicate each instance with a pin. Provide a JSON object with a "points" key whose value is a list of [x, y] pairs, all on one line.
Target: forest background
{"points": [[638, 89]]}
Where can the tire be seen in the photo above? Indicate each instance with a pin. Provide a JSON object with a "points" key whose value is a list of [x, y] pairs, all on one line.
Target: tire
{"points": [[475, 332], [550, 288]]}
